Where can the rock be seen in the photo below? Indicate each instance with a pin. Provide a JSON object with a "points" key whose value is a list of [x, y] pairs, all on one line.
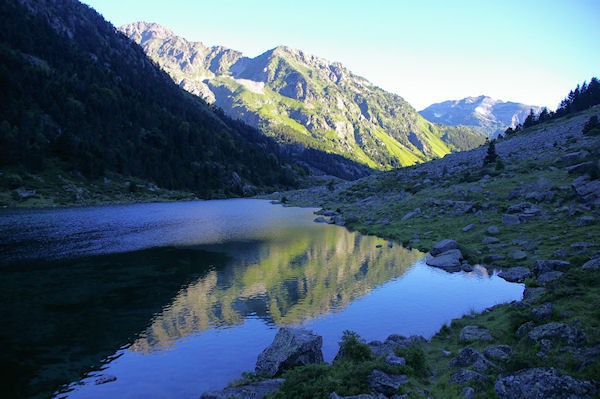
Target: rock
{"points": [[583, 245], [489, 240], [465, 267], [544, 312], [574, 156], [586, 220], [492, 230], [412, 214], [532, 293], [560, 253], [387, 384], [517, 254], [525, 328], [592, 264], [475, 333], [468, 393], [500, 352], [545, 278], [542, 266], [104, 379], [450, 260], [394, 360], [586, 191], [557, 331], [468, 227], [493, 257], [331, 221], [443, 246], [462, 377], [580, 168], [339, 220], [467, 357], [510, 220], [515, 274], [517, 208], [319, 219], [291, 347], [542, 383], [256, 390], [329, 213]]}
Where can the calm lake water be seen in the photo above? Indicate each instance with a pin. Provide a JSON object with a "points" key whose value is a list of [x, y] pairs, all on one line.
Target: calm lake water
{"points": [[175, 299]]}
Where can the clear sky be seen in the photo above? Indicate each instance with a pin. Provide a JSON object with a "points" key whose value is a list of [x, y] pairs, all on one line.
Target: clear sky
{"points": [[427, 51]]}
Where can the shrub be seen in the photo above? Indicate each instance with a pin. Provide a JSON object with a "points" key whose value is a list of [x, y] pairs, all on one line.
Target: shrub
{"points": [[415, 359], [592, 127], [354, 348]]}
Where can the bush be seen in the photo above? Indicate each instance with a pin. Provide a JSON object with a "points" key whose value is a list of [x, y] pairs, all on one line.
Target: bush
{"points": [[354, 348], [415, 359], [592, 127]]}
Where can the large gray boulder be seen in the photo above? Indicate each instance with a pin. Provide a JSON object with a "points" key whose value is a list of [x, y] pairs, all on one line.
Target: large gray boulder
{"points": [[386, 384], [291, 347], [515, 274], [542, 383], [592, 264], [470, 357], [256, 390], [557, 331], [443, 246], [474, 333], [546, 277], [543, 266], [449, 260], [393, 341], [500, 352], [462, 377]]}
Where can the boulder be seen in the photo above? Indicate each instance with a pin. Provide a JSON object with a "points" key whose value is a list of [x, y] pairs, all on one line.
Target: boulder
{"points": [[580, 168], [462, 377], [517, 208], [386, 384], [500, 352], [291, 347], [467, 357], [515, 274], [592, 264], [542, 383], [557, 331], [543, 312], [493, 257], [585, 220], [525, 328], [517, 254], [545, 278], [104, 379], [586, 191], [393, 341], [475, 333], [443, 246], [412, 214], [468, 227], [319, 219], [531, 293], [467, 393], [394, 360], [510, 220], [256, 390], [449, 260], [492, 230], [489, 240], [543, 266]]}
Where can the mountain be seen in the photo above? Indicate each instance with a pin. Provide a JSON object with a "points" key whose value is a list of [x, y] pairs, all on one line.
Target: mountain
{"points": [[484, 114], [79, 96], [298, 98]]}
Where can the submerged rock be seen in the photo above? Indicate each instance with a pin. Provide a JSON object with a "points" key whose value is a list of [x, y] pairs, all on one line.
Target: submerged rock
{"points": [[542, 383], [291, 347], [256, 390]]}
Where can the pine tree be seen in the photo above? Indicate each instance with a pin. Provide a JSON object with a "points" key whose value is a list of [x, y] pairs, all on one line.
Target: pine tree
{"points": [[491, 156]]}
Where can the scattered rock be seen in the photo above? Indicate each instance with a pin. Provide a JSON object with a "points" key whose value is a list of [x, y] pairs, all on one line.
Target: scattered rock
{"points": [[525, 328], [443, 246], [468, 393], [489, 240], [320, 219], [586, 191], [580, 168], [329, 213], [517, 208], [387, 384], [545, 278], [533, 292], [393, 341], [543, 312], [592, 264], [517, 254], [510, 220], [475, 333], [462, 377], [500, 352], [543, 266], [467, 357], [515, 274], [104, 379], [542, 383], [493, 257], [412, 214], [586, 220], [557, 331], [492, 230], [394, 360], [468, 227], [256, 390], [291, 347], [560, 253]]}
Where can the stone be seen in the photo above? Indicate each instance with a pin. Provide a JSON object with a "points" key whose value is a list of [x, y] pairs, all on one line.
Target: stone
{"points": [[542, 383], [412, 214], [542, 266], [444, 246], [329, 213], [543, 312], [592, 264], [492, 230], [291, 347], [468, 227], [560, 253], [394, 360], [450, 260], [475, 333], [489, 240], [531, 293], [585, 220], [574, 156], [500, 352], [586, 191], [255, 390], [515, 274], [319, 219], [493, 257], [525, 328], [467, 393], [467, 357], [104, 379], [545, 278], [386, 384], [462, 377], [339, 220], [379, 348], [518, 208], [510, 220], [580, 168], [517, 254], [557, 331]]}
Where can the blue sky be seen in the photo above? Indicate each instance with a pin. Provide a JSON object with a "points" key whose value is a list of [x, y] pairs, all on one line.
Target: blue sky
{"points": [[426, 51]]}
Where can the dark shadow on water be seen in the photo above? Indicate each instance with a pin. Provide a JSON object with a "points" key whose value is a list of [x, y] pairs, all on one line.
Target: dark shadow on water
{"points": [[60, 317]]}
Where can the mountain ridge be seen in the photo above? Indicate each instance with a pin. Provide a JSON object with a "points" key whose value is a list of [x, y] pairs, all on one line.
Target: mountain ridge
{"points": [[297, 97]]}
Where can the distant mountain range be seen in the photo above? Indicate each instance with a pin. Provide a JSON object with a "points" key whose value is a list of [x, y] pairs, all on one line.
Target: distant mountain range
{"points": [[304, 100], [484, 114]]}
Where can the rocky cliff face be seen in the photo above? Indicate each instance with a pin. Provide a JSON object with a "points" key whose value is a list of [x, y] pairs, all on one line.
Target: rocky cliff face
{"points": [[299, 98], [484, 114]]}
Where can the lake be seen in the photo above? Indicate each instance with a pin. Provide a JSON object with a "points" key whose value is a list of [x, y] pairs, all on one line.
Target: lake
{"points": [[174, 299]]}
